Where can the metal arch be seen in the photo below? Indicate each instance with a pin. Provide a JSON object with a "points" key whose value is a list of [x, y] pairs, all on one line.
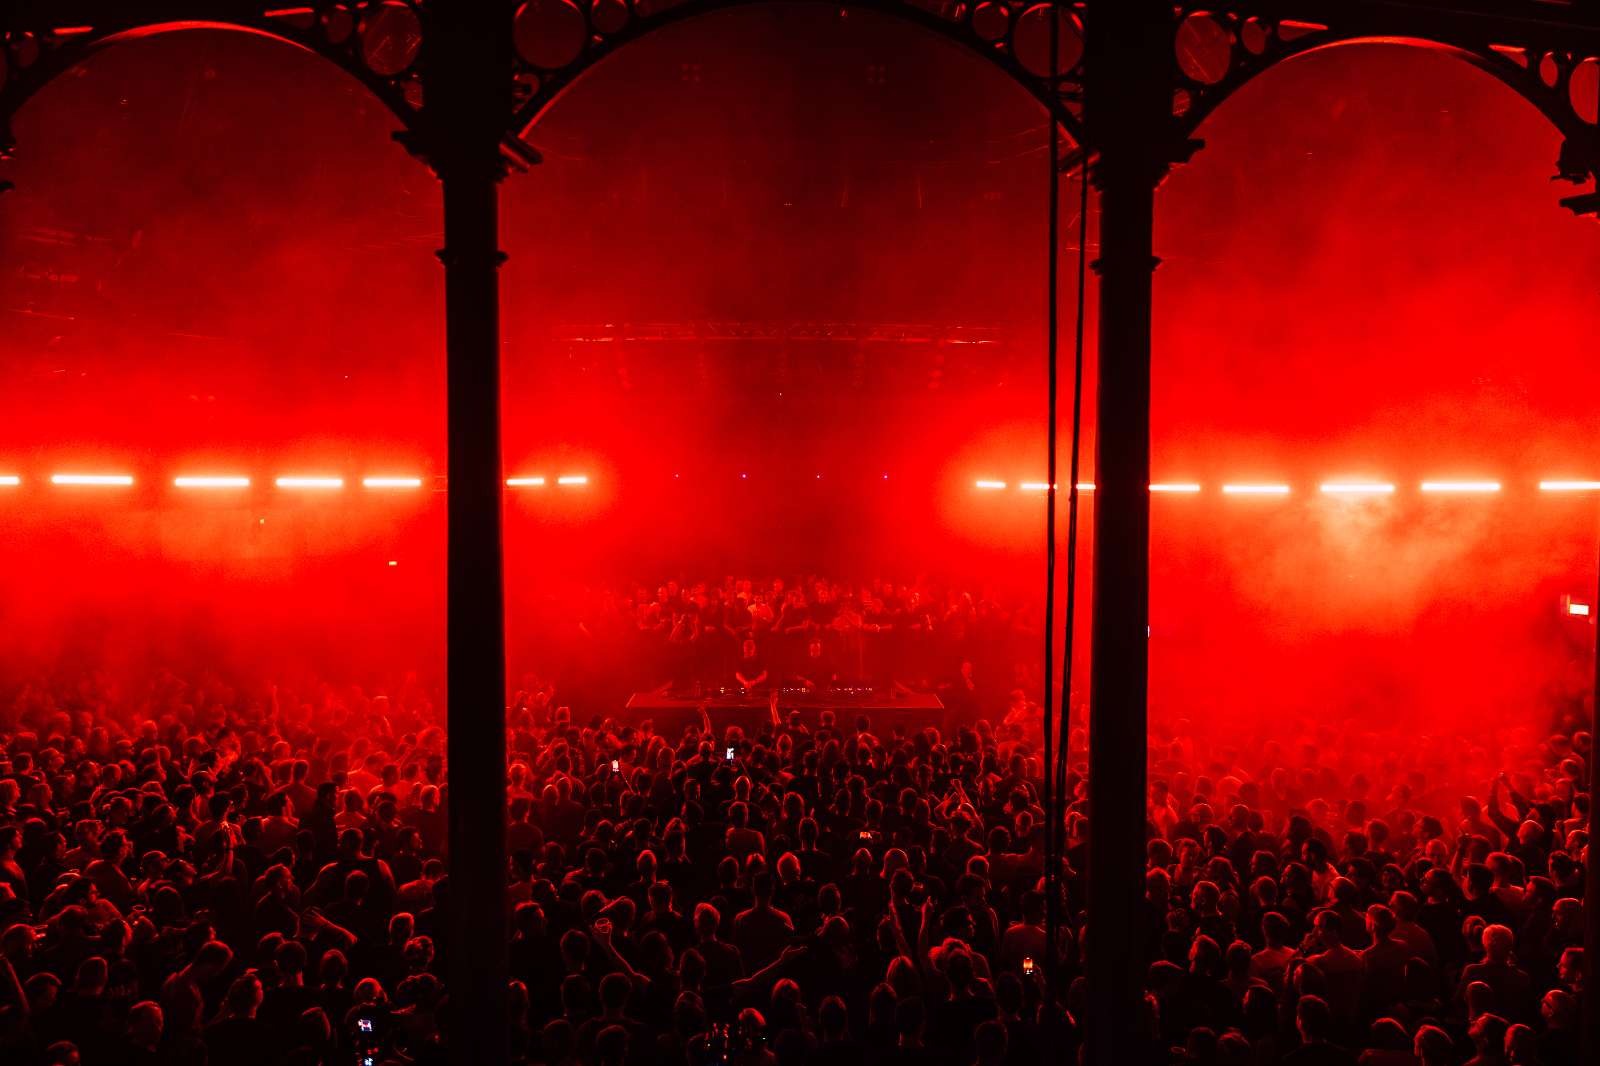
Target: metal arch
{"points": [[1552, 101], [54, 60], [553, 84]]}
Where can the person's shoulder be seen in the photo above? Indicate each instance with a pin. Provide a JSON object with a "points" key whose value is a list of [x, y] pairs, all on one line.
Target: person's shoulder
{"points": [[1319, 1055]]}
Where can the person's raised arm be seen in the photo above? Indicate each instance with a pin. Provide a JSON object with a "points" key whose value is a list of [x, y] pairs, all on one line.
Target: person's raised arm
{"points": [[900, 943], [12, 985], [1518, 800], [1496, 814], [923, 957], [1458, 861], [768, 975], [318, 923], [601, 935]]}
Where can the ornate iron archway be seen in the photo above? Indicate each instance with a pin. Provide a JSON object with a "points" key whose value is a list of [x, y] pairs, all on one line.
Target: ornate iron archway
{"points": [[1219, 53], [557, 42], [1133, 81], [377, 43]]}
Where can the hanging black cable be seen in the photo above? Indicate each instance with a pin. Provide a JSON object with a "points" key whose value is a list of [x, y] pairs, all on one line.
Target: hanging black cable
{"points": [[1070, 613], [1052, 820]]}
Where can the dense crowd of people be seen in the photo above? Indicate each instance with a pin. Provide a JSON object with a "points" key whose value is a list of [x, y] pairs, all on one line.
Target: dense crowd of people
{"points": [[195, 873]]}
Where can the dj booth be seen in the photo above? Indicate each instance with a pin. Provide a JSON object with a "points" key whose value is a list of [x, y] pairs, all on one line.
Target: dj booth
{"points": [[673, 709]]}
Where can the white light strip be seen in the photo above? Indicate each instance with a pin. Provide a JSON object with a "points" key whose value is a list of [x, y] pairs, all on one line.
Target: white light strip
{"points": [[1357, 488], [1579, 610], [991, 484], [1255, 490], [524, 482], [10, 479], [1034, 486], [580, 479], [1174, 486], [310, 482], [392, 482], [1570, 486], [1085, 486], [1461, 486], [90, 479], [211, 482]]}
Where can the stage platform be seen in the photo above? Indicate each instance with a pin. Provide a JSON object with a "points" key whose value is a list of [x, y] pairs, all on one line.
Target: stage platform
{"points": [[672, 711]]}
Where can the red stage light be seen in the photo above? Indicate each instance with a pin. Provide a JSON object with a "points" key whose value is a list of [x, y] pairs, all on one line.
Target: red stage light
{"points": [[1461, 486], [211, 482], [90, 479], [1357, 488], [1255, 490], [310, 482]]}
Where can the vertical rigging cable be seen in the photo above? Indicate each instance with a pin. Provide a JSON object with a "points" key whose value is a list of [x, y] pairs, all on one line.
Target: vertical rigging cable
{"points": [[1051, 805], [1057, 721], [1069, 614]]}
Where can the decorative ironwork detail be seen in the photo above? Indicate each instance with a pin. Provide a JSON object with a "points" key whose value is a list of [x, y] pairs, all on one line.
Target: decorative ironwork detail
{"points": [[378, 42], [1218, 49], [558, 40]]}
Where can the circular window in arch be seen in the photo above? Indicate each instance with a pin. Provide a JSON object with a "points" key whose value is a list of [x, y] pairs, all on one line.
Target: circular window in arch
{"points": [[549, 34], [1030, 41]]}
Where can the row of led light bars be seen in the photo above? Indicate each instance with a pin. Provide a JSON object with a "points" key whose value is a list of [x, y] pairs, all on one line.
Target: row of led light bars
{"points": [[308, 483], [1329, 488]]}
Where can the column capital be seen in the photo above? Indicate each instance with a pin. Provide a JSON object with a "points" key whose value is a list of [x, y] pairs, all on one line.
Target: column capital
{"points": [[450, 154], [1149, 263], [452, 257], [8, 147], [1153, 160], [1577, 162]]}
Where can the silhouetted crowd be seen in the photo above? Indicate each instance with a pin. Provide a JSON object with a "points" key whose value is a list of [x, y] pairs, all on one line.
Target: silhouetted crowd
{"points": [[195, 874]]}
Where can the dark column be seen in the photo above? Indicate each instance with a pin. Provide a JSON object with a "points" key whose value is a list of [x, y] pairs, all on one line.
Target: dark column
{"points": [[1127, 104], [1591, 873], [467, 102]]}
